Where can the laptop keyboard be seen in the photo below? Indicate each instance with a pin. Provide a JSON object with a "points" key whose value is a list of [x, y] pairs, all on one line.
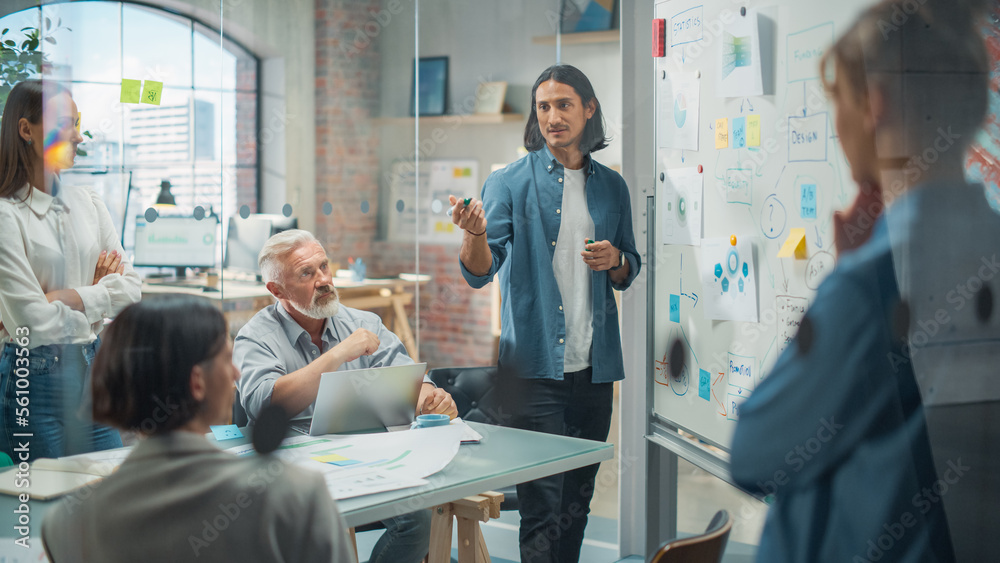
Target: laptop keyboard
{"points": [[301, 426]]}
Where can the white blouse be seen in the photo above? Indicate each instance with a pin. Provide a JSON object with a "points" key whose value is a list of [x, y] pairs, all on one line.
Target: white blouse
{"points": [[49, 243]]}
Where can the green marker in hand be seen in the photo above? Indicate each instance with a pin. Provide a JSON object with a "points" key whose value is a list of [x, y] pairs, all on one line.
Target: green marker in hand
{"points": [[465, 202]]}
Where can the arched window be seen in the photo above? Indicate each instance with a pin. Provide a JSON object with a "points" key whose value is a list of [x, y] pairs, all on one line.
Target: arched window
{"points": [[201, 137]]}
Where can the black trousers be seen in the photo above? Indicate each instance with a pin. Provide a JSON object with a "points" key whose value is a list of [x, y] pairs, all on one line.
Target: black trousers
{"points": [[554, 509]]}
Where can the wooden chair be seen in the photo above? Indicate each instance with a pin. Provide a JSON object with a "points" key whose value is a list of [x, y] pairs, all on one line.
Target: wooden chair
{"points": [[703, 548]]}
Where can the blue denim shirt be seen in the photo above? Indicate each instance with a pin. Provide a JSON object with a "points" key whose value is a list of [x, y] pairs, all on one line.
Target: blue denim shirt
{"points": [[522, 204], [837, 431]]}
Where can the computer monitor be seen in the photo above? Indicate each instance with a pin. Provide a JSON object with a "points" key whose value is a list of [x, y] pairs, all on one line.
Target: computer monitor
{"points": [[246, 237], [176, 242]]}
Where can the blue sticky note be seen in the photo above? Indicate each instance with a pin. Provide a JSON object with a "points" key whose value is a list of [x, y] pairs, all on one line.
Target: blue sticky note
{"points": [[345, 462], [704, 385], [226, 432], [675, 308], [739, 133], [808, 201]]}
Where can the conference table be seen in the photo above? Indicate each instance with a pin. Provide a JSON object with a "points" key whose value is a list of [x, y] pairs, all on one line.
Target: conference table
{"points": [[504, 457]]}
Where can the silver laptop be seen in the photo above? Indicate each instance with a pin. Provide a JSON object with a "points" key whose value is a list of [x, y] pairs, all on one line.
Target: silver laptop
{"points": [[373, 399]]}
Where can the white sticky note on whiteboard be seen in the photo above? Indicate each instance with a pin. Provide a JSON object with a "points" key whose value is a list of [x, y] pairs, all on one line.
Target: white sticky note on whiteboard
{"points": [[678, 98], [739, 64], [679, 206], [729, 279]]}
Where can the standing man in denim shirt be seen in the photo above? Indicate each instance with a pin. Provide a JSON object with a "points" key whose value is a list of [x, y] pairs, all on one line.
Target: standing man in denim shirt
{"points": [[557, 226]]}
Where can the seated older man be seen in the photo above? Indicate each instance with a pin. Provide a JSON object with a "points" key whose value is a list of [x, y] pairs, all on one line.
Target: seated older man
{"points": [[286, 347]]}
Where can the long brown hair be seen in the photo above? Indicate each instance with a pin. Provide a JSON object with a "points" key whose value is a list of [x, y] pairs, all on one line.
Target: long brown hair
{"points": [[16, 156]]}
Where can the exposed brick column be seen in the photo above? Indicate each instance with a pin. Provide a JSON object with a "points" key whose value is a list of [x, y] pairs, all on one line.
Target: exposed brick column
{"points": [[246, 136], [347, 94], [454, 318]]}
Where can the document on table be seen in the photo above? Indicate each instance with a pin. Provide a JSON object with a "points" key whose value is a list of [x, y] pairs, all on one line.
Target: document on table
{"points": [[51, 478], [361, 464]]}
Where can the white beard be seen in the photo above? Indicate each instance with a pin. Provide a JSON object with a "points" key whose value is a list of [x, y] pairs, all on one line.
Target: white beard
{"points": [[317, 311]]}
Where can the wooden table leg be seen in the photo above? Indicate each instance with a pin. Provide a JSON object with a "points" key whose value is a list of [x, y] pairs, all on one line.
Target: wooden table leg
{"points": [[354, 542], [468, 541], [402, 328], [441, 531], [481, 552], [469, 512]]}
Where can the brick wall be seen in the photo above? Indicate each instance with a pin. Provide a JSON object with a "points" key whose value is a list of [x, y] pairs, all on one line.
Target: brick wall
{"points": [[347, 88], [246, 136], [454, 318]]}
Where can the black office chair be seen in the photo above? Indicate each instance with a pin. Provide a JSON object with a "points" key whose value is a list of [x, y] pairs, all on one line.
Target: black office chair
{"points": [[703, 548], [477, 399], [240, 417]]}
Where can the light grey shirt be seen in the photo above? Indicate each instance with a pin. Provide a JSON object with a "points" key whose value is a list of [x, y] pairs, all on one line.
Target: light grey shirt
{"points": [[272, 344], [179, 498]]}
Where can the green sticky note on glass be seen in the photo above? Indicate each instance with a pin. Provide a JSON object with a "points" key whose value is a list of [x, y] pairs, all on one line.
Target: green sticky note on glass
{"points": [[131, 90], [151, 91]]}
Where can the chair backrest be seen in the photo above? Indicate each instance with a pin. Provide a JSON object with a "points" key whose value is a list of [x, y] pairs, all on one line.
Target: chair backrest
{"points": [[473, 389], [703, 548], [240, 417]]}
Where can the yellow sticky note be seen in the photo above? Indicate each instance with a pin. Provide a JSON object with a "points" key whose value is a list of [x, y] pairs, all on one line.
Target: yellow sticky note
{"points": [[330, 458], [79, 120], [456, 172], [753, 130], [795, 245], [131, 90], [721, 133], [151, 92]]}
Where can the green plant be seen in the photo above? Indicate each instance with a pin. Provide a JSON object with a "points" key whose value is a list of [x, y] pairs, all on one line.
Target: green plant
{"points": [[25, 61]]}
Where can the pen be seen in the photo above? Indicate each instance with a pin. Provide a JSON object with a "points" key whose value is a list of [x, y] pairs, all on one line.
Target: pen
{"points": [[466, 201]]}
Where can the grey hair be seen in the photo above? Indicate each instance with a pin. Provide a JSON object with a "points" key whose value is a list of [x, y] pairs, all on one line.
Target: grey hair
{"points": [[269, 259]]}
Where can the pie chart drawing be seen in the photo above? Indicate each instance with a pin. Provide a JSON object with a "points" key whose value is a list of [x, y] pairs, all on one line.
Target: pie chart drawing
{"points": [[680, 110]]}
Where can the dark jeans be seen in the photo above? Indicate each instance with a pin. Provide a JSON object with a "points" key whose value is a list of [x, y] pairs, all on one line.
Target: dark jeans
{"points": [[57, 403], [554, 509]]}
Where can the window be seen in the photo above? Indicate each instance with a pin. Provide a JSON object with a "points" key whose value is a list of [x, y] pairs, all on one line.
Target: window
{"points": [[202, 137]]}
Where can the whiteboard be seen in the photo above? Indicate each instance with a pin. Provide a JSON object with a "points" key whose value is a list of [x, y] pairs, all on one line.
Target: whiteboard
{"points": [[734, 308]]}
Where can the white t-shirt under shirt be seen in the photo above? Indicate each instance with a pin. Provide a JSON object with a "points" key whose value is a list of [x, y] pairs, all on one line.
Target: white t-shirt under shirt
{"points": [[573, 276]]}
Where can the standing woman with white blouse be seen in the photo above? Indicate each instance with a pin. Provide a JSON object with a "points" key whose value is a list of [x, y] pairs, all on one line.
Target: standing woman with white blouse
{"points": [[61, 274]]}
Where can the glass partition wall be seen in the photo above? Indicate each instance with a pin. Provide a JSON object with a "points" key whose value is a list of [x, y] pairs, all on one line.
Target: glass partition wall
{"points": [[207, 126]]}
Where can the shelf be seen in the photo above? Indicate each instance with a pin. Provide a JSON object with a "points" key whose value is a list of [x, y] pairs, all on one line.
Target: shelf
{"points": [[580, 38], [469, 119]]}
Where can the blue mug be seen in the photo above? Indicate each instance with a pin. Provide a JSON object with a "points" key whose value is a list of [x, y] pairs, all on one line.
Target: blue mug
{"points": [[428, 420]]}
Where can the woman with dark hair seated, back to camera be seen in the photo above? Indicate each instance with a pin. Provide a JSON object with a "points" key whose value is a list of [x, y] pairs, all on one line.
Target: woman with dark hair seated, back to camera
{"points": [[166, 371]]}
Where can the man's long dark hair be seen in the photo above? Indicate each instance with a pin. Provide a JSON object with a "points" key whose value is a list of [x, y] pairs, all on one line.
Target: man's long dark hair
{"points": [[593, 138]]}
